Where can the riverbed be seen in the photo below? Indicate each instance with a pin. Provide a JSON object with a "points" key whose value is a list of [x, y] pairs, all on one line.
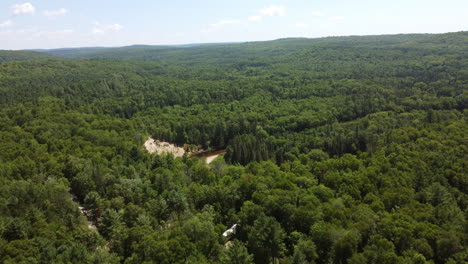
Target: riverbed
{"points": [[213, 155], [161, 147]]}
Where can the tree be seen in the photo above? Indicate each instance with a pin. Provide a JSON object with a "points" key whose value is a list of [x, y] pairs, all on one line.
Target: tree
{"points": [[345, 247], [304, 252], [266, 240], [236, 253], [200, 230]]}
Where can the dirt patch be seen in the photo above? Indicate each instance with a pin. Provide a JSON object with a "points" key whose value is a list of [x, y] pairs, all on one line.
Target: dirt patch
{"points": [[213, 155], [154, 146], [211, 158], [160, 147]]}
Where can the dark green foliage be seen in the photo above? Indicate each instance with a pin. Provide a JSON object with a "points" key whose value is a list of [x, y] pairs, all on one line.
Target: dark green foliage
{"points": [[9, 55], [338, 150], [266, 240], [236, 254]]}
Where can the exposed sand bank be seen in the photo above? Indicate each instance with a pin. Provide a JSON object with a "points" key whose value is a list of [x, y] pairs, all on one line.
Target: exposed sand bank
{"points": [[161, 147]]}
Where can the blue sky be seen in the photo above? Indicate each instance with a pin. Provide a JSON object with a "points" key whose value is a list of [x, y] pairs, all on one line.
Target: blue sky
{"points": [[56, 24]]}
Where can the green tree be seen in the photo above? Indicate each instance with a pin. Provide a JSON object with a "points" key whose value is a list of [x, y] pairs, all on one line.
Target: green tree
{"points": [[304, 252], [236, 253], [266, 240]]}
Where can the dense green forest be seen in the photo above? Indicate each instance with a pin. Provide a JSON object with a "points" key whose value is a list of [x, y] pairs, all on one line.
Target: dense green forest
{"points": [[338, 150], [9, 55]]}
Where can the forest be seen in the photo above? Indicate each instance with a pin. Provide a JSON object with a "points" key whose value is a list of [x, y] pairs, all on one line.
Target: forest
{"points": [[338, 150]]}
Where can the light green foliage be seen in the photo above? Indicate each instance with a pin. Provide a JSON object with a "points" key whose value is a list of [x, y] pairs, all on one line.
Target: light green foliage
{"points": [[236, 254], [266, 240], [338, 150]]}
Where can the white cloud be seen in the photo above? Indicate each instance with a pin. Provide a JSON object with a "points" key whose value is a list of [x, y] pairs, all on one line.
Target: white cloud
{"points": [[25, 8], [317, 14], [115, 27], [53, 34], [268, 11], [273, 11], [255, 18], [301, 25], [101, 28], [6, 24], [55, 13], [336, 18], [221, 24]]}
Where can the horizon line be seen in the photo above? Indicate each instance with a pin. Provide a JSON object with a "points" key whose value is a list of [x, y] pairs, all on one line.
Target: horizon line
{"points": [[225, 42]]}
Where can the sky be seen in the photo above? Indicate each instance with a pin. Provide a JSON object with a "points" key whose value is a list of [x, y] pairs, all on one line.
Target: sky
{"points": [[46, 24]]}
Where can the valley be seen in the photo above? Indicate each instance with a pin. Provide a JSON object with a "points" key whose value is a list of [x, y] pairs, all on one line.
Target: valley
{"points": [[326, 150]]}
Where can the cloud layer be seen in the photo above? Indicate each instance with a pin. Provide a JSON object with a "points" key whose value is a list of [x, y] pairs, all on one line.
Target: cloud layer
{"points": [[220, 24], [336, 18], [6, 24], [24, 8], [273, 10], [105, 28], [255, 18], [51, 14], [317, 14]]}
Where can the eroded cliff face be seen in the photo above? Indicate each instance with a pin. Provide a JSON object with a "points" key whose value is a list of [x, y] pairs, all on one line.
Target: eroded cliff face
{"points": [[154, 146], [160, 147]]}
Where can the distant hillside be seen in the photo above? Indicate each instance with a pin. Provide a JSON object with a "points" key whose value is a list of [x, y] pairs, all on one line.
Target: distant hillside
{"points": [[228, 53], [129, 52], [10, 55]]}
